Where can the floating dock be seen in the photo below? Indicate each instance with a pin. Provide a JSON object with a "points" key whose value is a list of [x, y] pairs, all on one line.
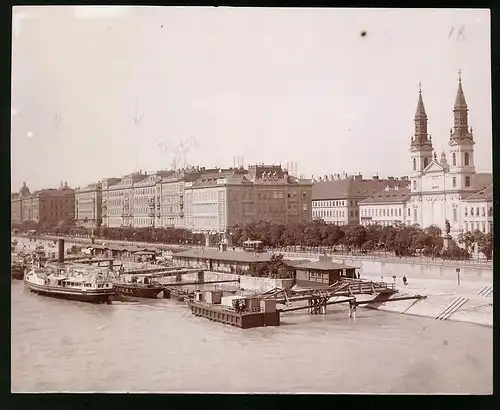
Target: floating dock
{"points": [[240, 311]]}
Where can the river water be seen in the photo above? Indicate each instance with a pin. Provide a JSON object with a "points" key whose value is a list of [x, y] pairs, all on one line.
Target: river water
{"points": [[158, 346]]}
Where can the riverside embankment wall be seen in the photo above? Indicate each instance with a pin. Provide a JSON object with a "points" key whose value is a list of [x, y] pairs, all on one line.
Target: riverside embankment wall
{"points": [[409, 267]]}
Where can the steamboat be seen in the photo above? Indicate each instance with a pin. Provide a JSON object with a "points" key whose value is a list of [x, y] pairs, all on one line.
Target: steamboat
{"points": [[83, 284]]}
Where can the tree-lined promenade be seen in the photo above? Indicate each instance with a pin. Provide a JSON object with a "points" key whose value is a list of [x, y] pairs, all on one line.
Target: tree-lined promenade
{"points": [[315, 236], [399, 240]]}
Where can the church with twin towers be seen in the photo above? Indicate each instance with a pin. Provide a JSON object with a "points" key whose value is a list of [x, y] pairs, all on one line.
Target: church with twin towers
{"points": [[445, 187]]}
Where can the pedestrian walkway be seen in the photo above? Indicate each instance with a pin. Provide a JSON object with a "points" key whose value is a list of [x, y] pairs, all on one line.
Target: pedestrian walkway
{"points": [[436, 286]]}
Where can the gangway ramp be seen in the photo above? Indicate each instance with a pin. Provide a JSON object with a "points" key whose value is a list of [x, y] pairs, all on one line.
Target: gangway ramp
{"points": [[452, 308]]}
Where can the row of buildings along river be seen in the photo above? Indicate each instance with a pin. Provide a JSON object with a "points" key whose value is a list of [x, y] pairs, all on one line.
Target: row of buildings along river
{"points": [[438, 188]]}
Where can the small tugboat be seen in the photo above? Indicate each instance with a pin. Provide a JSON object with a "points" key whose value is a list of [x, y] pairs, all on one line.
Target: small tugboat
{"points": [[239, 311], [82, 284], [137, 286]]}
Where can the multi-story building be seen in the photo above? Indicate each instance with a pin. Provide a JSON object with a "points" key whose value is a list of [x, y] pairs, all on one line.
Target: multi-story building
{"points": [[478, 211], [46, 206], [170, 206], [336, 199], [206, 200], [387, 207], [88, 205], [109, 203], [16, 203], [220, 198], [270, 193], [118, 201], [142, 201], [439, 188]]}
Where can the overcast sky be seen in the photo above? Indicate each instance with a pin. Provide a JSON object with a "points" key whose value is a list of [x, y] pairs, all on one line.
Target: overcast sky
{"points": [[267, 84]]}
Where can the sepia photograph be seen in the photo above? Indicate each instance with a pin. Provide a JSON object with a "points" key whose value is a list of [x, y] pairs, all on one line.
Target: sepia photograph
{"points": [[251, 200]]}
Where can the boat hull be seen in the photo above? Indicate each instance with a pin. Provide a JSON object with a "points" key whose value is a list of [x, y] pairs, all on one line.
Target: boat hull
{"points": [[138, 291], [89, 296]]}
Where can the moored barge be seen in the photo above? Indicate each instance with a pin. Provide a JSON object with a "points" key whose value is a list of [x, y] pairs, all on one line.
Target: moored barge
{"points": [[71, 284], [139, 287], [239, 311]]}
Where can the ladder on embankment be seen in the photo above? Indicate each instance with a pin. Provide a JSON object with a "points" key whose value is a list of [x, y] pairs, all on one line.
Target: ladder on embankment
{"points": [[486, 292], [452, 308]]}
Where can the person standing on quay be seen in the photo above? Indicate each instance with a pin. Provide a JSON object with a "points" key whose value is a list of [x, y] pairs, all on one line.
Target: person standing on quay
{"points": [[352, 309]]}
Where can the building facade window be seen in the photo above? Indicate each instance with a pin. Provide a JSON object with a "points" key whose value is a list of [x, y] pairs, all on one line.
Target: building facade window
{"points": [[414, 164], [467, 182], [454, 159], [426, 162], [466, 159], [455, 216], [454, 182]]}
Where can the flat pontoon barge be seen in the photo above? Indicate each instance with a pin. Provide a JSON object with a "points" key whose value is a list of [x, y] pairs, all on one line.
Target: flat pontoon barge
{"points": [[249, 312]]}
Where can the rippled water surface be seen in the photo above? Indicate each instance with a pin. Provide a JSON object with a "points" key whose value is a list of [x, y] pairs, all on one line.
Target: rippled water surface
{"points": [[158, 346]]}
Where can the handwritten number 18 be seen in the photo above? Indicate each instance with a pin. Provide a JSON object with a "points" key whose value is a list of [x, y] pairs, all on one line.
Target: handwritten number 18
{"points": [[460, 36]]}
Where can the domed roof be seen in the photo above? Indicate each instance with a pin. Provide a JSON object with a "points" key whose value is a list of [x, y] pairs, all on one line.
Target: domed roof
{"points": [[24, 191]]}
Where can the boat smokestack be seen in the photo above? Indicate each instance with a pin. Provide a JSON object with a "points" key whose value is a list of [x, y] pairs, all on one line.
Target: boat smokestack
{"points": [[61, 250]]}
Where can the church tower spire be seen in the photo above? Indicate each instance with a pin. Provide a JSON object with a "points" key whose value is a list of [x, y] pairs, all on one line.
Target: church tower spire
{"points": [[421, 144], [421, 137], [460, 115], [461, 144]]}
